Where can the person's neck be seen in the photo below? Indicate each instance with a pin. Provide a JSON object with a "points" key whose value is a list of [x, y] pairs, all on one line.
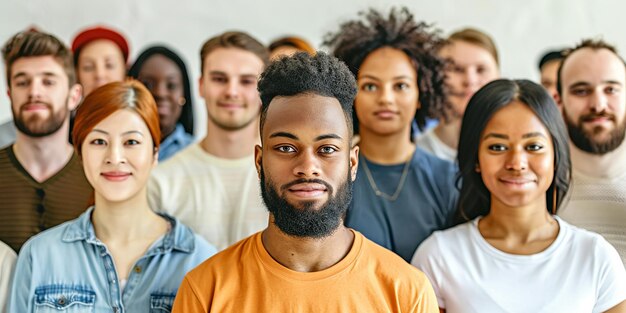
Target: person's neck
{"points": [[606, 165], [388, 149], [449, 133], [307, 254], [517, 226], [126, 221], [230, 144], [42, 157]]}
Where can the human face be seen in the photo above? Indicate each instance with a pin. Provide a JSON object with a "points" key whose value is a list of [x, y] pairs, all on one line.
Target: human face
{"points": [[306, 164], [549, 72], [118, 155], [516, 160], [100, 62], [229, 88], [471, 68], [165, 81], [593, 99], [387, 96], [40, 96]]}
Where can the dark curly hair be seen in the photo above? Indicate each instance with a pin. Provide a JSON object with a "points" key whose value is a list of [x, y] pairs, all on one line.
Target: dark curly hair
{"points": [[302, 73], [356, 39]]}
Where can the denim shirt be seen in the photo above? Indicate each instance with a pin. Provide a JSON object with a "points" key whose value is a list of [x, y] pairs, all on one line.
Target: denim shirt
{"points": [[67, 269], [175, 142]]}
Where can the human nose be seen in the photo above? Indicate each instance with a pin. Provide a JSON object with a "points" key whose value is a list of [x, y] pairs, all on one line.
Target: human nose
{"points": [[516, 160], [35, 89], [386, 96], [115, 154], [599, 101], [470, 78], [308, 165], [232, 89]]}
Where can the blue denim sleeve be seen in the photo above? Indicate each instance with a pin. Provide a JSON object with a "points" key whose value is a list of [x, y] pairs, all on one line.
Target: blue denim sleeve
{"points": [[19, 299]]}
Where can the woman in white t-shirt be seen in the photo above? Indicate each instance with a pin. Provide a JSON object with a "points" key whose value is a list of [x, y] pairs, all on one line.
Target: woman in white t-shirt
{"points": [[513, 254]]}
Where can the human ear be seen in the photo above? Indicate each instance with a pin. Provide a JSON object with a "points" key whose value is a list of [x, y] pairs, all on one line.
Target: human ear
{"points": [[354, 162], [258, 159]]}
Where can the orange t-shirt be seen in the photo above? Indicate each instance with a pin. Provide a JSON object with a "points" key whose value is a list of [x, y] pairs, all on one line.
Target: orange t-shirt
{"points": [[245, 278]]}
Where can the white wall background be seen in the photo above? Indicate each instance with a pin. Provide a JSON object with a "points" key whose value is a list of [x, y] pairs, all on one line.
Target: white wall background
{"points": [[522, 29]]}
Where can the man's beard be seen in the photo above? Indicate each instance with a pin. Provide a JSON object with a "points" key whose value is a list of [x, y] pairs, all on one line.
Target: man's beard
{"points": [[35, 126], [307, 221], [584, 140]]}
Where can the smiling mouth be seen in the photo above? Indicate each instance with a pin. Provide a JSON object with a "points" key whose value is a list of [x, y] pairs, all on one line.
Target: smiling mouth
{"points": [[115, 176], [517, 182], [385, 114], [307, 190]]}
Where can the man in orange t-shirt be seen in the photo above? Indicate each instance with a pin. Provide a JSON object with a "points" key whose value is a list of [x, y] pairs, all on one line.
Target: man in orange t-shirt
{"points": [[306, 260]]}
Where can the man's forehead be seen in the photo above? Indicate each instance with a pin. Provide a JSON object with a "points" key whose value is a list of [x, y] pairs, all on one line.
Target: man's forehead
{"points": [[593, 66], [233, 61], [305, 111], [36, 65]]}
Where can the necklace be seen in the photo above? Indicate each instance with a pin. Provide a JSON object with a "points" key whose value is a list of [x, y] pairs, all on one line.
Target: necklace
{"points": [[378, 192]]}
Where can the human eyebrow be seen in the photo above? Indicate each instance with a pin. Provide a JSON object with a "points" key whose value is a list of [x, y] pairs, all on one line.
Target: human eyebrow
{"points": [[369, 77], [95, 130], [494, 135], [284, 134], [133, 132], [327, 136], [579, 84], [533, 134]]}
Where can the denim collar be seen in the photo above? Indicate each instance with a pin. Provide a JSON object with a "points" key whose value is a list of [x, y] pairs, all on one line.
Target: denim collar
{"points": [[178, 238]]}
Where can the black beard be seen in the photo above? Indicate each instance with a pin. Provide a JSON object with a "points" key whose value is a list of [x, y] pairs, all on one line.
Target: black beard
{"points": [[307, 221], [35, 127], [584, 140]]}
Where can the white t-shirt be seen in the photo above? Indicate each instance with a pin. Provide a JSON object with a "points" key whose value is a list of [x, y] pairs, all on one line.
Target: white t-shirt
{"points": [[7, 265], [219, 199], [579, 272], [429, 142]]}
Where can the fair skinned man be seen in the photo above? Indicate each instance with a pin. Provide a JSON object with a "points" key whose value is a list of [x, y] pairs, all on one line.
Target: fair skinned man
{"points": [[211, 186], [41, 165], [306, 260], [592, 94]]}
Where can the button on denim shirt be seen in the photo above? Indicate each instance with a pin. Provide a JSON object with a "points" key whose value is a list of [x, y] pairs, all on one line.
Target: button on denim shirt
{"points": [[67, 269]]}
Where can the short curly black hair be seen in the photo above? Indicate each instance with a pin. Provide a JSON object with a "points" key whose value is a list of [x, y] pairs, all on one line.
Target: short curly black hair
{"points": [[356, 39], [321, 74]]}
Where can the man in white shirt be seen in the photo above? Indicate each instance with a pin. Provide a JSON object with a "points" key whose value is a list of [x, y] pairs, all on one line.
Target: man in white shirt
{"points": [[212, 186], [592, 93]]}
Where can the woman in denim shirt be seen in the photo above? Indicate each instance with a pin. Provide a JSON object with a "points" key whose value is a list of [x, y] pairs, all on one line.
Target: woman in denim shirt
{"points": [[119, 256]]}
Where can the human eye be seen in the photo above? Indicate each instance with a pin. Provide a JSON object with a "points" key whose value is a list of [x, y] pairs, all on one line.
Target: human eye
{"points": [[110, 66], [581, 92], [458, 69], [87, 67], [49, 82], [328, 150], [148, 84], [98, 142], [219, 79], [497, 147], [611, 90], [402, 86], [248, 81], [481, 70], [21, 82], [132, 142], [368, 87], [172, 86], [534, 147], [285, 149]]}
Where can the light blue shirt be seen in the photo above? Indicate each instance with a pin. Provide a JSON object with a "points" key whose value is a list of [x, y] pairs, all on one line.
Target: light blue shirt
{"points": [[176, 141], [67, 269]]}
